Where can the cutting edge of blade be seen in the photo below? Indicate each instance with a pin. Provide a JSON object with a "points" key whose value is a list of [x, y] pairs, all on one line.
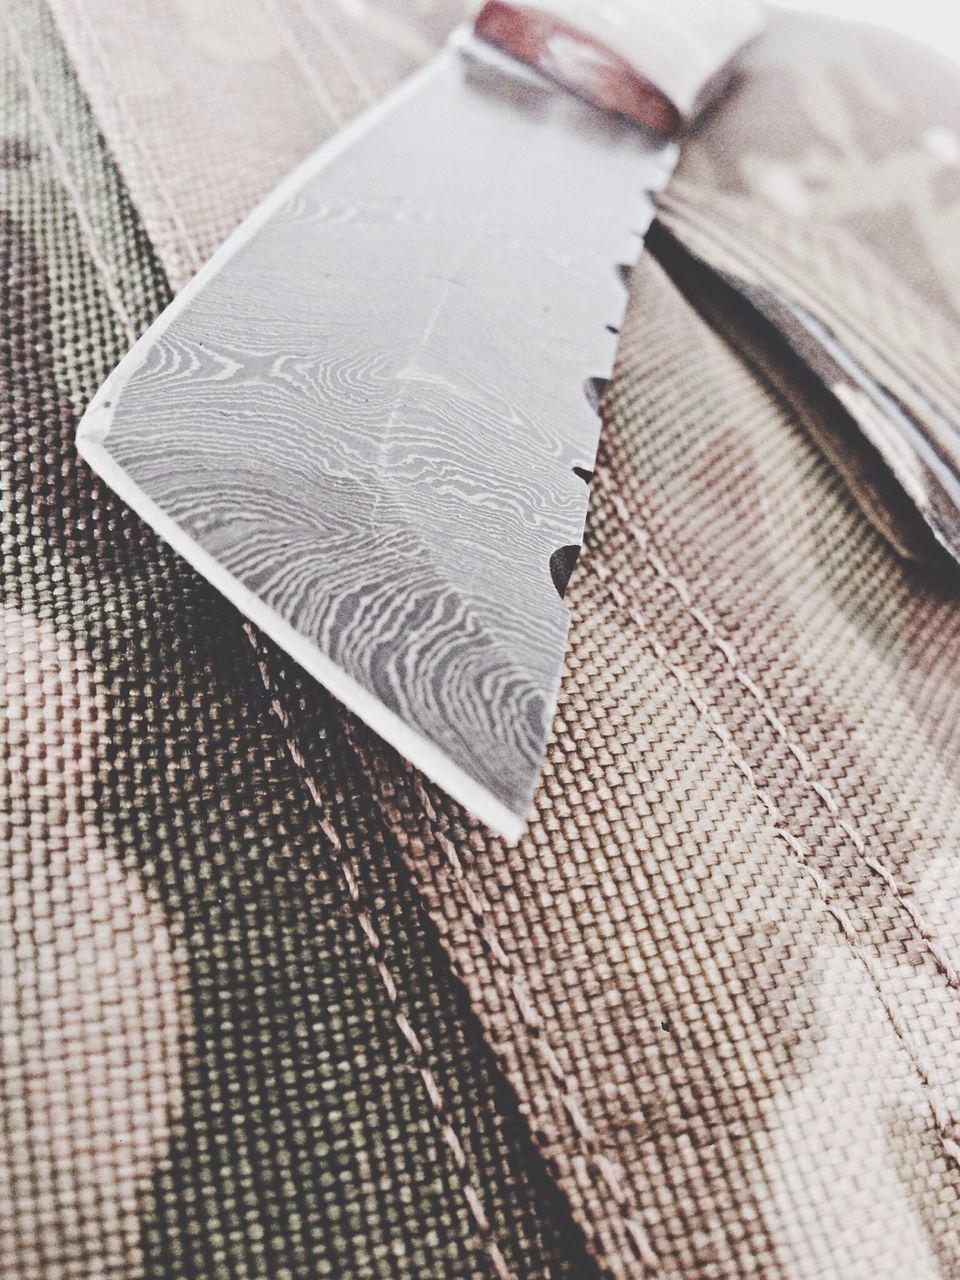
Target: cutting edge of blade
{"points": [[419, 750]]}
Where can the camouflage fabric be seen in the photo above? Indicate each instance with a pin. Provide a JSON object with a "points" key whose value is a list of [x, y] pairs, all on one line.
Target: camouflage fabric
{"points": [[852, 251], [720, 973]]}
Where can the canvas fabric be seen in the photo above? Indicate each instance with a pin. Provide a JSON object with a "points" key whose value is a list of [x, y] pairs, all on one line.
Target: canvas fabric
{"points": [[719, 974]]}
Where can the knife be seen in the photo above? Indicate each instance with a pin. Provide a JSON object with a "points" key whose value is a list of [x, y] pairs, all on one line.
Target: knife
{"points": [[371, 419]]}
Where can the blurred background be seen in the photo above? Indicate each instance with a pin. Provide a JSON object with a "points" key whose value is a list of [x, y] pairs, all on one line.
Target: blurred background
{"points": [[935, 22]]}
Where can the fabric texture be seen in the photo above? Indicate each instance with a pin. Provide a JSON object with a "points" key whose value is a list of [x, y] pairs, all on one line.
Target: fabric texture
{"points": [[719, 973]]}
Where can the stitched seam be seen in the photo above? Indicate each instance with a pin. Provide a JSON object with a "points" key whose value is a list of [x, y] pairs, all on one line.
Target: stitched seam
{"points": [[69, 186], [123, 116], [303, 65], [807, 771], [797, 847], [526, 1005], [374, 945], [338, 49]]}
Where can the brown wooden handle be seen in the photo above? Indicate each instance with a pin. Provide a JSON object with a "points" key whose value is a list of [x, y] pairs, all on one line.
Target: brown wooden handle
{"points": [[657, 62]]}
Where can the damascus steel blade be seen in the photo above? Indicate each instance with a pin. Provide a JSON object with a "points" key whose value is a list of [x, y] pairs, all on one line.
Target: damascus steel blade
{"points": [[371, 418]]}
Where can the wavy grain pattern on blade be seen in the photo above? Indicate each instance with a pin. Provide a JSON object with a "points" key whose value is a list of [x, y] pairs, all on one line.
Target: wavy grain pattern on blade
{"points": [[369, 417]]}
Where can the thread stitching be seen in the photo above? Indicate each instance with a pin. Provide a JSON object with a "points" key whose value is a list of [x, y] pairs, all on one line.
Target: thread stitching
{"points": [[69, 186], [339, 50], [303, 65], [807, 770], [526, 1006], [123, 116], [796, 846], [374, 944]]}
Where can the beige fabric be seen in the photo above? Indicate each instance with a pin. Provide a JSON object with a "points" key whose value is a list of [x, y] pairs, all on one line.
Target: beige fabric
{"points": [[721, 969]]}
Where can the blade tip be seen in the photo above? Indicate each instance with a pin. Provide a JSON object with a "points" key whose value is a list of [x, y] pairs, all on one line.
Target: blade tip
{"points": [[502, 822]]}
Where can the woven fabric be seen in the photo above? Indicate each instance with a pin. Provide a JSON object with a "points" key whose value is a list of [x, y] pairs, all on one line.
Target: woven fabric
{"points": [[721, 969], [231, 1043]]}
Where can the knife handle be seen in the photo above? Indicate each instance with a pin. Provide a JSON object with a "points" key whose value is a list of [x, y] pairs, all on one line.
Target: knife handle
{"points": [[657, 62]]}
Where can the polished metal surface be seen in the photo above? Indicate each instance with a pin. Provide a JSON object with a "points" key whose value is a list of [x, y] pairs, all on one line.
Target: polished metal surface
{"points": [[371, 419]]}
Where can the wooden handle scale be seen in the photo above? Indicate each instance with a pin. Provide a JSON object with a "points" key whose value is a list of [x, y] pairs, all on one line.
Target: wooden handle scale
{"points": [[657, 62]]}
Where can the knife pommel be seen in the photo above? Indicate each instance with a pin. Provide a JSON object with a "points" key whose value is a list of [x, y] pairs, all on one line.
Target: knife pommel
{"points": [[659, 63]]}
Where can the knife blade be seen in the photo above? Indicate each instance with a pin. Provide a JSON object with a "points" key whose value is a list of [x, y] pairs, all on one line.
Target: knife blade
{"points": [[371, 419]]}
